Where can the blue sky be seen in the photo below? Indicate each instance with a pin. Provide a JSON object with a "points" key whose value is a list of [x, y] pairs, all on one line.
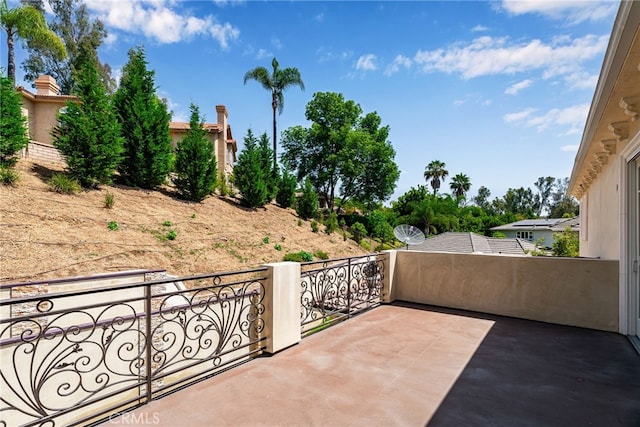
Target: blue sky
{"points": [[498, 90]]}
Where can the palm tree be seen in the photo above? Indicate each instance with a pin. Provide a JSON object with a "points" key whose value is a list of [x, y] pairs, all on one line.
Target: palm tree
{"points": [[436, 172], [27, 23], [276, 83], [460, 184]]}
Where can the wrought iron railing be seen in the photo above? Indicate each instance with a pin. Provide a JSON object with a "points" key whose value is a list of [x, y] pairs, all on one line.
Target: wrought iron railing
{"points": [[334, 290], [73, 358]]}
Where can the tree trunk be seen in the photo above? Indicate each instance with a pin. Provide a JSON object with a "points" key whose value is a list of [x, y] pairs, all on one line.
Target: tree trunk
{"points": [[11, 60], [274, 105]]}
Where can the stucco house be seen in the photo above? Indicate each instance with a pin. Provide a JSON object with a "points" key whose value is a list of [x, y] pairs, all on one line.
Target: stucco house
{"points": [[606, 172], [41, 109], [538, 230]]}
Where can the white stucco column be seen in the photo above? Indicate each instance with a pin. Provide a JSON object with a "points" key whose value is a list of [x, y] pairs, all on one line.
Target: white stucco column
{"points": [[388, 291], [282, 306]]}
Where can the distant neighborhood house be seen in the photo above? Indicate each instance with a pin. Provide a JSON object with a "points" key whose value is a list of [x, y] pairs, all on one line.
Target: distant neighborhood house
{"points": [[456, 242], [539, 230], [41, 110]]}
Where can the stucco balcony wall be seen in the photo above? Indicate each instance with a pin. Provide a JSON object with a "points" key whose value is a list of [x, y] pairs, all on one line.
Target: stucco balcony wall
{"points": [[566, 291]]}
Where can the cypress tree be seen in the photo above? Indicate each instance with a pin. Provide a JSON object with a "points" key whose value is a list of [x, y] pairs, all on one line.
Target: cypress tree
{"points": [[88, 133], [270, 174], [286, 196], [307, 205], [249, 174], [145, 125], [13, 125], [196, 165]]}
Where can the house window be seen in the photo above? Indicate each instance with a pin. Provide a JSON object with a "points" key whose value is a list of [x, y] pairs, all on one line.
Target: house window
{"points": [[525, 235]]}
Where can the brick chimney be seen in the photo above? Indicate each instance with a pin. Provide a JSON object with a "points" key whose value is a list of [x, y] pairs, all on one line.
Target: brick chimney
{"points": [[46, 85]]}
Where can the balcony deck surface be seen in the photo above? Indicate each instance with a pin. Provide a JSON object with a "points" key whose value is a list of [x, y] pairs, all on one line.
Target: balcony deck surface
{"points": [[415, 365]]}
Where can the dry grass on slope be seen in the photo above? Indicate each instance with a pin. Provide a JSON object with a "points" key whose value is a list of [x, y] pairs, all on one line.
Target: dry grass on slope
{"points": [[51, 235]]}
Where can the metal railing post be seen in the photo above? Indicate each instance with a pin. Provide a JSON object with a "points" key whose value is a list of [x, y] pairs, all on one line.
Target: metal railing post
{"points": [[149, 340], [349, 288]]}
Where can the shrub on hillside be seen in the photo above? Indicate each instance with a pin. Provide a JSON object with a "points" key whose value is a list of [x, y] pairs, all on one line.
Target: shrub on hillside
{"points": [[301, 256], [196, 167], [148, 154], [307, 204], [88, 133], [64, 184], [249, 175], [359, 231], [13, 125], [8, 176], [286, 196]]}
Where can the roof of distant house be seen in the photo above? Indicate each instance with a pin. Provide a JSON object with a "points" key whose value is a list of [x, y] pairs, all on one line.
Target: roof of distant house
{"points": [[552, 224], [457, 242]]}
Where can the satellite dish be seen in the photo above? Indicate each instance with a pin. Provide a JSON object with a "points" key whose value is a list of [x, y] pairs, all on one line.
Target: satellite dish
{"points": [[408, 234]]}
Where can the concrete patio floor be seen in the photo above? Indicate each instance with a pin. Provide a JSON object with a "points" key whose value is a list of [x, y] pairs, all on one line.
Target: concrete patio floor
{"points": [[414, 365]]}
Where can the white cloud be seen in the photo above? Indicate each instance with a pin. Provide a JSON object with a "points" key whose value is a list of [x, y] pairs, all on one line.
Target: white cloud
{"points": [[571, 12], [161, 20], [319, 17], [263, 53], [572, 147], [398, 61], [519, 116], [327, 55], [367, 63], [572, 117], [479, 29], [517, 87], [493, 56]]}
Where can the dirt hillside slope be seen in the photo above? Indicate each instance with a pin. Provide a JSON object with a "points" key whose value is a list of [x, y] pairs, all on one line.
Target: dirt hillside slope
{"points": [[51, 235]]}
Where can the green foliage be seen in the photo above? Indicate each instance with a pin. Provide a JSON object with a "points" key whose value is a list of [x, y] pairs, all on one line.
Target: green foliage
{"points": [[383, 247], [265, 239], [301, 256], [145, 125], [224, 186], [88, 133], [249, 175], [8, 176], [365, 245], [320, 254], [171, 235], [13, 125], [499, 235], [459, 185], [307, 204], [342, 151], [359, 231], [379, 226], [436, 172], [167, 224], [269, 173], [277, 247], [109, 200], [314, 226], [113, 226], [300, 222], [64, 184], [196, 167], [566, 244], [81, 35], [286, 196], [331, 223]]}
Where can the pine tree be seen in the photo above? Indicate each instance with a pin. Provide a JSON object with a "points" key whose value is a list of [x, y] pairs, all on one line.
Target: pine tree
{"points": [[249, 174], [270, 174], [286, 196], [145, 125], [88, 133], [196, 165], [307, 205], [13, 128]]}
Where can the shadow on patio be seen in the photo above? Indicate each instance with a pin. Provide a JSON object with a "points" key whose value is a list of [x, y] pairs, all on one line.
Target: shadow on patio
{"points": [[407, 364]]}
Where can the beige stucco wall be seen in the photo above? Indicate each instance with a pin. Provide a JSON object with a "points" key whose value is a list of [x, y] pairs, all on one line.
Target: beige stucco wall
{"points": [[601, 239], [566, 291], [42, 116]]}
